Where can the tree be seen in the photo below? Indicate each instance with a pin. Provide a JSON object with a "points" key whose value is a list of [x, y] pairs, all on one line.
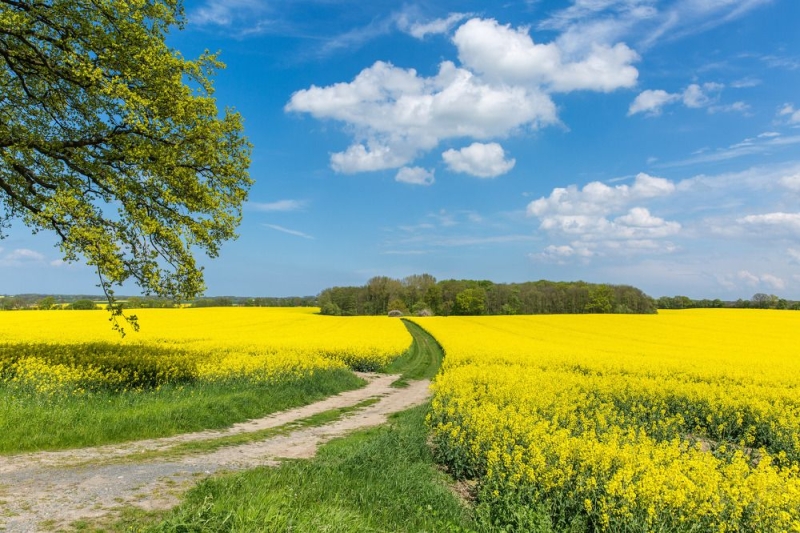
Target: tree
{"points": [[600, 298], [83, 305], [471, 302], [46, 303], [113, 141]]}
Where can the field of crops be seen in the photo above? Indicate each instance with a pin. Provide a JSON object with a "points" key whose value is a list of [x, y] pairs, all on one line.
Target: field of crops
{"points": [[76, 351], [681, 421]]}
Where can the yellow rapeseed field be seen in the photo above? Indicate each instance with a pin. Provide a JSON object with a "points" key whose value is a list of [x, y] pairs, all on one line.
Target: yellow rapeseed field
{"points": [[681, 421], [77, 350]]}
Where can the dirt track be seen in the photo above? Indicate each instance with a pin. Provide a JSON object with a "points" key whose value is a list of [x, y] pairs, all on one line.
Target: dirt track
{"points": [[49, 490]]}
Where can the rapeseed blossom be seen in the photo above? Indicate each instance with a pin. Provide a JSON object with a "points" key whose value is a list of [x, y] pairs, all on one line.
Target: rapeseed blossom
{"points": [[681, 421], [49, 351]]}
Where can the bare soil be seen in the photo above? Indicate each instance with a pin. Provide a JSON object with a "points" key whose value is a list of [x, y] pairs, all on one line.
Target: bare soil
{"points": [[48, 491]]}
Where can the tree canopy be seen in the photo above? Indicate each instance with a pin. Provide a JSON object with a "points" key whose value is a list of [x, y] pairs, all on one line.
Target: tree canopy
{"points": [[113, 140]]}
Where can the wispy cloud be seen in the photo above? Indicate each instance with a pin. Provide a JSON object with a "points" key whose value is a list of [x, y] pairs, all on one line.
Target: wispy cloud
{"points": [[750, 146], [280, 205], [644, 22], [288, 231], [20, 256], [239, 15]]}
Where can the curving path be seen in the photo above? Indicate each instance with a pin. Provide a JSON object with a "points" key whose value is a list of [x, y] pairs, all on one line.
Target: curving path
{"points": [[49, 490]]}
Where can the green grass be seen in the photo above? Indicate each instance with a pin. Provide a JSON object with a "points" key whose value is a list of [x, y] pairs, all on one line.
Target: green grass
{"points": [[421, 361], [382, 479], [210, 445], [31, 422]]}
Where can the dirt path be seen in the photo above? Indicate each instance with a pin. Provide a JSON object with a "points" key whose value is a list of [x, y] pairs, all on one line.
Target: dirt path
{"points": [[49, 490]]}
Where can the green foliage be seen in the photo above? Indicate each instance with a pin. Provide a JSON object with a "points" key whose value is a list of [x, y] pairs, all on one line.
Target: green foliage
{"points": [[398, 305], [83, 305], [46, 303], [442, 298], [470, 302], [600, 299], [114, 141]]}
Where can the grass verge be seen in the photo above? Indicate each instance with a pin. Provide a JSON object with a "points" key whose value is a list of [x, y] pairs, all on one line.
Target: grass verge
{"points": [[421, 361], [381, 479], [32, 423]]}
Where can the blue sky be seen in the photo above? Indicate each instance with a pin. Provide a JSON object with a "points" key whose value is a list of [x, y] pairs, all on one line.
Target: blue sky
{"points": [[646, 142]]}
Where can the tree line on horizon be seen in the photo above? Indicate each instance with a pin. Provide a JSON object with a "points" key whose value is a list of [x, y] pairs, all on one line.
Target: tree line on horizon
{"points": [[422, 294]]}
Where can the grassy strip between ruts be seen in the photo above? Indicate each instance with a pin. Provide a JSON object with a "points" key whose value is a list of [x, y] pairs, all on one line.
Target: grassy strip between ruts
{"points": [[214, 443], [28, 423], [421, 361], [376, 480]]}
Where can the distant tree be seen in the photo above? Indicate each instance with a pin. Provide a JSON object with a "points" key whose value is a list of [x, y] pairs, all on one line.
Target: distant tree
{"points": [[600, 299], [470, 302], [398, 305], [83, 305], [330, 308], [46, 303], [764, 301]]}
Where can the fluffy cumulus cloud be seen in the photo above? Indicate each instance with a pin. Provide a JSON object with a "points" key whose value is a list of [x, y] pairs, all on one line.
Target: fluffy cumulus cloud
{"points": [[502, 86], [397, 114], [651, 102], [508, 55], [599, 219], [415, 176], [479, 159], [597, 198]]}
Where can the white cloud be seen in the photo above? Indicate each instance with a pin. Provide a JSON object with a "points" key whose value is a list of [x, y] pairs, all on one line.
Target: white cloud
{"points": [[358, 158], [781, 221], [415, 176], [773, 281], [288, 231], [478, 159], [747, 277], [438, 26], [792, 115], [508, 55], [501, 88], [767, 280], [791, 182], [645, 22], [280, 205], [20, 256], [395, 114], [586, 217], [226, 12], [759, 145], [651, 102], [598, 198], [736, 107], [746, 83]]}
